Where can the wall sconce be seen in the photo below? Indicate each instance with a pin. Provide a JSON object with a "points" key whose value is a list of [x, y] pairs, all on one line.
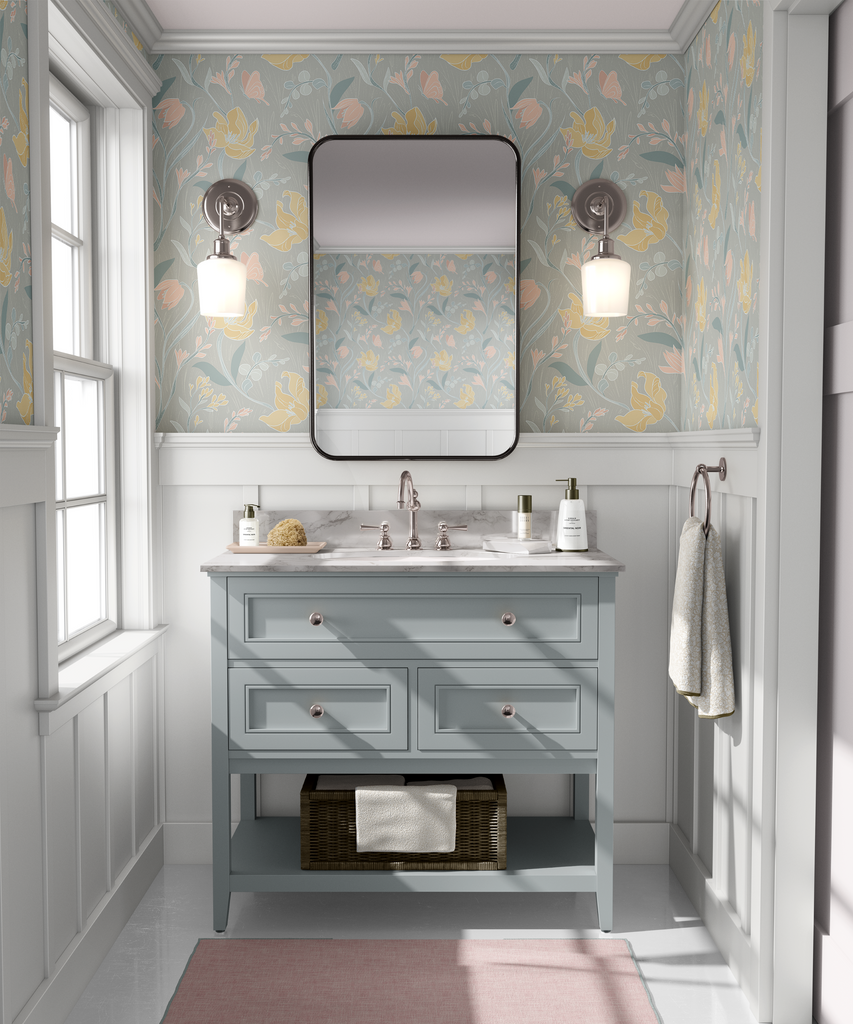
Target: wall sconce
{"points": [[229, 206], [598, 206]]}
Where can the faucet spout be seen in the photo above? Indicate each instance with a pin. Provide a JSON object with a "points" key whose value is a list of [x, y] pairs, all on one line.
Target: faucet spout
{"points": [[411, 504]]}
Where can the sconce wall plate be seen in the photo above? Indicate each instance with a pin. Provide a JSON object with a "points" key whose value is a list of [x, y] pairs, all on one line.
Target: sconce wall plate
{"points": [[240, 205], [587, 205]]}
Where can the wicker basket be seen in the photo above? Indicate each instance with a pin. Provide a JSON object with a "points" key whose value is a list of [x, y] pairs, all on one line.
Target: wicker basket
{"points": [[327, 820]]}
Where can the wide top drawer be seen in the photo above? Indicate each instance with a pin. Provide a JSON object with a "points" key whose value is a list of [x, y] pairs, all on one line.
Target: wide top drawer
{"points": [[271, 618]]}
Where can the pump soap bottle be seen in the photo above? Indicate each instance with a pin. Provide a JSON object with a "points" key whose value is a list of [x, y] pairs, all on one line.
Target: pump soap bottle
{"points": [[248, 532], [571, 520]]}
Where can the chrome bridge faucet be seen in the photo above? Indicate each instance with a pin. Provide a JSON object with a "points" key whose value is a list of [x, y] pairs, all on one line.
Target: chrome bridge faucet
{"points": [[411, 505]]}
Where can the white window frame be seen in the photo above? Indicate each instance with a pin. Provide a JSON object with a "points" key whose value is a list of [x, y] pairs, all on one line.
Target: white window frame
{"points": [[83, 45]]}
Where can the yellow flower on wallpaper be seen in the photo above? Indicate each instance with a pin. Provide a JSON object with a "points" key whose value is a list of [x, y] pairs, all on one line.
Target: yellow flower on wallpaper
{"points": [[711, 414], [321, 321], [22, 139], [369, 360], [291, 408], [463, 61], [322, 396], [442, 360], [744, 284], [291, 225], [590, 134], [234, 134], [284, 61], [25, 406], [716, 12], [592, 328], [702, 112], [649, 226], [466, 397], [747, 58], [641, 61], [368, 285], [467, 322], [395, 322], [393, 397], [412, 123], [238, 329], [645, 408], [443, 285], [715, 195], [701, 305], [6, 243]]}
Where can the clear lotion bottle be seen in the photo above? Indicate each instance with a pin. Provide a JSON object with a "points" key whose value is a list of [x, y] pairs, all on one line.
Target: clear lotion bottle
{"points": [[248, 532], [571, 520]]}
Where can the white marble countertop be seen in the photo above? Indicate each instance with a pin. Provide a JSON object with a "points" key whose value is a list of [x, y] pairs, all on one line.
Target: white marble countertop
{"points": [[459, 560]]}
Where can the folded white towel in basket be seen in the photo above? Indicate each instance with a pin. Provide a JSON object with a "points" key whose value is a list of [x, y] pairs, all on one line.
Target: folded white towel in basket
{"points": [[345, 782], [405, 819], [478, 782], [700, 652]]}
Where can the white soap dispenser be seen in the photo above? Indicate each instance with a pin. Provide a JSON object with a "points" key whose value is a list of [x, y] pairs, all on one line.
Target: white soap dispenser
{"points": [[571, 520], [248, 532]]}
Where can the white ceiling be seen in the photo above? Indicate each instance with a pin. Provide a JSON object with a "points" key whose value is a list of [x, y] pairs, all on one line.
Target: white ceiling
{"points": [[412, 26], [416, 15]]}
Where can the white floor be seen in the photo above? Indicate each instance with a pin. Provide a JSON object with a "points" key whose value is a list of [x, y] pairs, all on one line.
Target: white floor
{"points": [[687, 978]]}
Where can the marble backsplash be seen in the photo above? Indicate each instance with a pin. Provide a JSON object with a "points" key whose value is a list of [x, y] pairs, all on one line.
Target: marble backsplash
{"points": [[342, 529]]}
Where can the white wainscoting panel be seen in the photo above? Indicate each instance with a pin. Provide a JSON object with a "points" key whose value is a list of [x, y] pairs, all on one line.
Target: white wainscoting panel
{"points": [[144, 753], [92, 776], [62, 860], [120, 776]]}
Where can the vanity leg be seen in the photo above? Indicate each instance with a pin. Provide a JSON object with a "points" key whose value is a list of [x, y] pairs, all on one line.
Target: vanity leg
{"points": [[580, 799], [606, 752], [248, 797], [220, 775]]}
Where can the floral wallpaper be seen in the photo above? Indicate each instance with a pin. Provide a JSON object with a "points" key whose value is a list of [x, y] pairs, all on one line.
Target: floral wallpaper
{"points": [[723, 107], [415, 331], [573, 117], [16, 293]]}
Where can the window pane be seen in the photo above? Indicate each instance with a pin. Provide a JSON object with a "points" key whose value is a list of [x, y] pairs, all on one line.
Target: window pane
{"points": [[84, 560], [83, 440], [57, 402], [61, 171], [60, 576], [64, 318]]}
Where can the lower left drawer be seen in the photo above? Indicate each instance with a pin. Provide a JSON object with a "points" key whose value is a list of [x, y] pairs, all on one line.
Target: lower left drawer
{"points": [[339, 707]]}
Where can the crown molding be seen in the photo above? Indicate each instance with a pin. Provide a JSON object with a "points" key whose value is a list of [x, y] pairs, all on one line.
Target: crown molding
{"points": [[676, 39]]}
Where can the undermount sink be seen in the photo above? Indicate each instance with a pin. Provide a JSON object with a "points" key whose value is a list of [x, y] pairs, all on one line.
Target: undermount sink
{"points": [[399, 554]]}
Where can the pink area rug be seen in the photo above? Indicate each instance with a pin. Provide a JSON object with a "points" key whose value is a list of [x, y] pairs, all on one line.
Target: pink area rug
{"points": [[411, 981]]}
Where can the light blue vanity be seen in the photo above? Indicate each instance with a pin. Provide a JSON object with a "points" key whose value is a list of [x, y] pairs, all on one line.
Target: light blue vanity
{"points": [[457, 662]]}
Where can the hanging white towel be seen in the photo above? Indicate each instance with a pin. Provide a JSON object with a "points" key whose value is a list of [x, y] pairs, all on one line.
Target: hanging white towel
{"points": [[685, 639], [405, 819], [700, 656], [717, 698]]}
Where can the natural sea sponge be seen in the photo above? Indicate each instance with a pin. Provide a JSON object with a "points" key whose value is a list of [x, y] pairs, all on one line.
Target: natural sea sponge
{"points": [[287, 533]]}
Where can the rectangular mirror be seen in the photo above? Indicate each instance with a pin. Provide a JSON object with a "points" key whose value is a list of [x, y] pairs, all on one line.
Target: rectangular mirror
{"points": [[414, 334]]}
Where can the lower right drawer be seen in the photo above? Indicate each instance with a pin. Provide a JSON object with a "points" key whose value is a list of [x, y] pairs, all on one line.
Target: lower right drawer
{"points": [[530, 708]]}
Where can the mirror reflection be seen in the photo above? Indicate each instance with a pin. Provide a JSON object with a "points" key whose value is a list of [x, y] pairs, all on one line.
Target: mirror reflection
{"points": [[414, 296]]}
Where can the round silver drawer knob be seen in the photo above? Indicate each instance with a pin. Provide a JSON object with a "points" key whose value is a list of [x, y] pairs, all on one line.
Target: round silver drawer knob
{"points": [[508, 711], [508, 619], [316, 711], [315, 618]]}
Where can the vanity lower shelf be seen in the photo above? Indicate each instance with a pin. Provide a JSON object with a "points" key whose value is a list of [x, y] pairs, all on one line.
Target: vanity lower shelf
{"points": [[543, 855]]}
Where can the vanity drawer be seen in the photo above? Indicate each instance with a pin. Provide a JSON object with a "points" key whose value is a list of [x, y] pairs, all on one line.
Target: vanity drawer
{"points": [[267, 621], [362, 708], [551, 708]]}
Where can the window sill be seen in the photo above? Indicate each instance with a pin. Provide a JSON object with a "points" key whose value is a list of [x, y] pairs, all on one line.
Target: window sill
{"points": [[89, 674]]}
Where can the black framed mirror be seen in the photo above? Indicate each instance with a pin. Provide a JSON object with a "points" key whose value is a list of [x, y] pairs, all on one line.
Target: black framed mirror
{"points": [[414, 328]]}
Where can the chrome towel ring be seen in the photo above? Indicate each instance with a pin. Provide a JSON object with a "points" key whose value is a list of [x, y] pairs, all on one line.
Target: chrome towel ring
{"points": [[704, 470]]}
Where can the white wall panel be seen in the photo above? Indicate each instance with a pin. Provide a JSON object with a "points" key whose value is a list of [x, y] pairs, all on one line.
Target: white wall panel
{"points": [[61, 818], [94, 869], [120, 774], [145, 773], [21, 881]]}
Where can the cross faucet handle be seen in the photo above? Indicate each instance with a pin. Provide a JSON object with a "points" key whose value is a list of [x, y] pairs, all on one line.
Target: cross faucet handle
{"points": [[442, 541]]}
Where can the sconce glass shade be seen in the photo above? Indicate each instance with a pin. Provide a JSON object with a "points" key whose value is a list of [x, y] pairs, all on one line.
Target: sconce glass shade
{"points": [[606, 283], [222, 287]]}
